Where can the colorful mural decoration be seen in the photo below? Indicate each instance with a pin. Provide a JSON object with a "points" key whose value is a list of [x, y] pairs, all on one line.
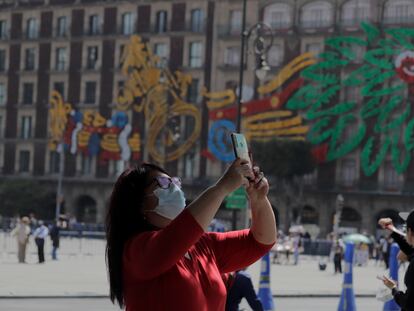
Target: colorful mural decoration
{"points": [[159, 95], [89, 133], [262, 119], [148, 90], [380, 119], [306, 100]]}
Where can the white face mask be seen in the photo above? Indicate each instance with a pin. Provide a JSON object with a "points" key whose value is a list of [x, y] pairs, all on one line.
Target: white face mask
{"points": [[171, 202]]}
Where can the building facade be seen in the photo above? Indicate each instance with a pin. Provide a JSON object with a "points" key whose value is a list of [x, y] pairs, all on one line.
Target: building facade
{"points": [[75, 47]]}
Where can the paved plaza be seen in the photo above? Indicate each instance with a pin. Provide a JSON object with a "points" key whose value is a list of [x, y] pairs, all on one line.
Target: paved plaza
{"points": [[80, 272]]}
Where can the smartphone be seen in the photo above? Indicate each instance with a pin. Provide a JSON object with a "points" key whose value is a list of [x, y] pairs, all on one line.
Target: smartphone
{"points": [[240, 147]]}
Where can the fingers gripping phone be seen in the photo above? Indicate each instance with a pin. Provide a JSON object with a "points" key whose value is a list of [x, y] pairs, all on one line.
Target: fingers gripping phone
{"points": [[240, 147]]}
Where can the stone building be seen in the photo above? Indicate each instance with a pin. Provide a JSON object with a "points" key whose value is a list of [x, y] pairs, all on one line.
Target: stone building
{"points": [[75, 46]]}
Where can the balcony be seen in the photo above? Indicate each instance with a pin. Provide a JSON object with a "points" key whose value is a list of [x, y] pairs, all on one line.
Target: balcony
{"points": [[396, 20], [228, 30], [278, 26], [352, 22], [315, 24]]}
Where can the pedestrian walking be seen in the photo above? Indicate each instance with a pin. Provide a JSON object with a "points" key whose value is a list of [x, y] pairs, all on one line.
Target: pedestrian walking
{"points": [[158, 252], [55, 237], [337, 259], [22, 233], [40, 235], [241, 286], [404, 299]]}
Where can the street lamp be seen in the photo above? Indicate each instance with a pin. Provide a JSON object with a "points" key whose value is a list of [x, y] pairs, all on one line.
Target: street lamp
{"points": [[59, 194], [338, 211], [258, 32]]}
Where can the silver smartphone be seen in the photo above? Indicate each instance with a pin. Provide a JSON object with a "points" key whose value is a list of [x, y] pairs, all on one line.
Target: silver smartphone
{"points": [[241, 149]]}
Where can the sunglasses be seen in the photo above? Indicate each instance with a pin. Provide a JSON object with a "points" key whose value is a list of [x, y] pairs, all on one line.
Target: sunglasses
{"points": [[165, 182]]}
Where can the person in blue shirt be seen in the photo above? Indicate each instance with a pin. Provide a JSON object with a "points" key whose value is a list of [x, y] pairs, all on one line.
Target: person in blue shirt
{"points": [[240, 286]]}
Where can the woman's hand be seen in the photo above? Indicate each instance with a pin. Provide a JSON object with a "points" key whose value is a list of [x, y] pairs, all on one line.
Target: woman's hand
{"points": [[388, 282], [258, 187], [237, 174], [401, 256], [386, 223]]}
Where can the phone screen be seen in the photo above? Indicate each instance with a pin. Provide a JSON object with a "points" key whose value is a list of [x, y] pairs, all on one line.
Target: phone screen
{"points": [[240, 146]]}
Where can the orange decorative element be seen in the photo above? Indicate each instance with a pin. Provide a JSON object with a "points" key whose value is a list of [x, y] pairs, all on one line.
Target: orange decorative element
{"points": [[220, 99], [287, 72], [58, 116]]}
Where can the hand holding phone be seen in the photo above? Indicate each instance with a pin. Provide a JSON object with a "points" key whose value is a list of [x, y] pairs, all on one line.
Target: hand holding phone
{"points": [[240, 147]]}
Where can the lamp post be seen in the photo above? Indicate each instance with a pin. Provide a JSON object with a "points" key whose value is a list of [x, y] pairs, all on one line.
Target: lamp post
{"points": [[260, 32], [337, 217], [261, 47], [59, 192]]}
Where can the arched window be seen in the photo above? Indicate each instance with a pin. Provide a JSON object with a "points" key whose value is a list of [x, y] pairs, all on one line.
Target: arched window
{"points": [[398, 11], [317, 14], [278, 15], [355, 11], [350, 217]]}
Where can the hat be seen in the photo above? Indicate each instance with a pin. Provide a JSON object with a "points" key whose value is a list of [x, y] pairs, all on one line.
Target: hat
{"points": [[408, 217]]}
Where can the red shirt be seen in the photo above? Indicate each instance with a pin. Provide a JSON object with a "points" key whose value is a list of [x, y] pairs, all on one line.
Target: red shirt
{"points": [[158, 277]]}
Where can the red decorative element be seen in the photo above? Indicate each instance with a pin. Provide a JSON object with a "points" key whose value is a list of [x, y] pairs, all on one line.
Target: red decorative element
{"points": [[319, 153], [256, 106], [407, 64], [206, 153]]}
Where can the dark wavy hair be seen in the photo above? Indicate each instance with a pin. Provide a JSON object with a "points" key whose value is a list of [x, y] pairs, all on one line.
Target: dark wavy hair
{"points": [[124, 220]]}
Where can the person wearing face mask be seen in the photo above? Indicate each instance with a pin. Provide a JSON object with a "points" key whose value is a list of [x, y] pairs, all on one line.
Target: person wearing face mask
{"points": [[404, 299], [159, 255]]}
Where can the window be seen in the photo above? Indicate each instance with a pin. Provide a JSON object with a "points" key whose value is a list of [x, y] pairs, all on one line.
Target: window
{"points": [[315, 48], [90, 92], [275, 55], [195, 54], [161, 50], [61, 26], [317, 14], [59, 87], [121, 55], [161, 22], [3, 29], [92, 57], [127, 23], [117, 167], [54, 162], [192, 93], [278, 15], [28, 89], [399, 11], [351, 93], [348, 172], [32, 29], [391, 177], [86, 165], [197, 20], [232, 56], [2, 60], [235, 22], [24, 161], [60, 60], [2, 94], [93, 25], [29, 59], [26, 127], [355, 11]]}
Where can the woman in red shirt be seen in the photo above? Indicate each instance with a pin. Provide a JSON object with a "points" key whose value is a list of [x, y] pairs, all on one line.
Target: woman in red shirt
{"points": [[160, 256]]}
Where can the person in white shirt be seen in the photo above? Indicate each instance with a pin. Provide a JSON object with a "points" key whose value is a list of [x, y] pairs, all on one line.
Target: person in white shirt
{"points": [[40, 235], [22, 232]]}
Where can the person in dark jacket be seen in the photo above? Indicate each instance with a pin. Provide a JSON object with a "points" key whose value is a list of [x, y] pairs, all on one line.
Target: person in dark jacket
{"points": [[404, 299], [55, 237], [240, 286]]}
